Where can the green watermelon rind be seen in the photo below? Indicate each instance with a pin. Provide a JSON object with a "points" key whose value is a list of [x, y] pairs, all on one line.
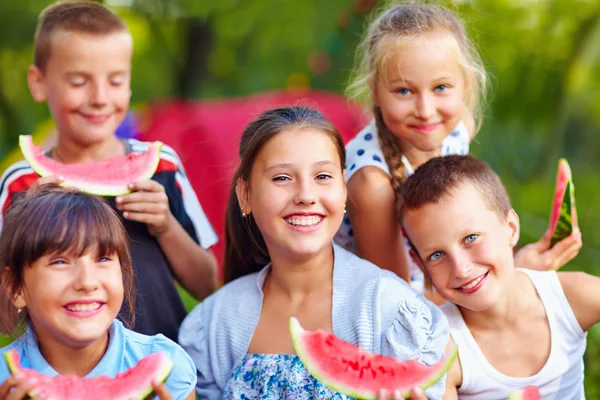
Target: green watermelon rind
{"points": [[161, 374], [297, 333], [27, 146], [14, 365], [565, 224]]}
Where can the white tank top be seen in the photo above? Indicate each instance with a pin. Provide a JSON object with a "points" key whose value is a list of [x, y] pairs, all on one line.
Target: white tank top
{"points": [[561, 378], [365, 151]]}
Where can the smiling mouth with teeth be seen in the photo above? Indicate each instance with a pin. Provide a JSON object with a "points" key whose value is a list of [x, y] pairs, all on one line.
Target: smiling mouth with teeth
{"points": [[310, 220], [473, 283], [83, 307]]}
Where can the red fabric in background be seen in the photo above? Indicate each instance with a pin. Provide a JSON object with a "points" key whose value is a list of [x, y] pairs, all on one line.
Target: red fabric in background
{"points": [[206, 135]]}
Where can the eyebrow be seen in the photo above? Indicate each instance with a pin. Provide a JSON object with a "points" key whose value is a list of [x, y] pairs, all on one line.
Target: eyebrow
{"points": [[81, 73], [290, 165], [410, 83]]}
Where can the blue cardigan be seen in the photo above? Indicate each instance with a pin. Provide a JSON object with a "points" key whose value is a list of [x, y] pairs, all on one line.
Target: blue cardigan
{"points": [[372, 308]]}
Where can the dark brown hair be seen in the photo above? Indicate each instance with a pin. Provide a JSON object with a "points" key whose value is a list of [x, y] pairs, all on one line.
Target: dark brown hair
{"points": [[439, 176], [407, 20], [52, 219], [72, 16], [245, 248]]}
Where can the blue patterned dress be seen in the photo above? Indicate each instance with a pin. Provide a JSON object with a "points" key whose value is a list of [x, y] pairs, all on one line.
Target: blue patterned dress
{"points": [[276, 376]]}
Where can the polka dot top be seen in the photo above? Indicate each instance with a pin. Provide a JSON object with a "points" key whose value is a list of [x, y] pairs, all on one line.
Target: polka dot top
{"points": [[364, 151]]}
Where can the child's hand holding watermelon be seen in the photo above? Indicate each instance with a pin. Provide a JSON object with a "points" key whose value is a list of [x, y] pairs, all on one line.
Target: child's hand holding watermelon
{"points": [[161, 391], [43, 180], [16, 388], [148, 203], [562, 241], [544, 257]]}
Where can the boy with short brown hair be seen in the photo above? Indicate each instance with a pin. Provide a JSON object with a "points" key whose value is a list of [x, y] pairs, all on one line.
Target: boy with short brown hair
{"points": [[82, 69], [513, 327]]}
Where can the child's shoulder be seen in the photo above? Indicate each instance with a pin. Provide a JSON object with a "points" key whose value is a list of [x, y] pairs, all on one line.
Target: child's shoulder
{"points": [[136, 346], [17, 174], [365, 151], [230, 298]]}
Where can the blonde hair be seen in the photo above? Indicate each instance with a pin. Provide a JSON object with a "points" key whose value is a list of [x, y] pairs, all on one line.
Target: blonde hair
{"points": [[410, 20]]}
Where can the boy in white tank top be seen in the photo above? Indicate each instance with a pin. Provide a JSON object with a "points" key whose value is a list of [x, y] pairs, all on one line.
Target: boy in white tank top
{"points": [[513, 327]]}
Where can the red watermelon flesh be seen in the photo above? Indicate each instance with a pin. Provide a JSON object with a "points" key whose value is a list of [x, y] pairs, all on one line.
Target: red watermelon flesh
{"points": [[349, 370], [526, 393], [106, 178], [135, 383], [563, 218]]}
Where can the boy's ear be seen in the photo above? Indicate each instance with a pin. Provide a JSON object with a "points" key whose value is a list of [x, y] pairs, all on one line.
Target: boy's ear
{"points": [[242, 193], [35, 81], [514, 227]]}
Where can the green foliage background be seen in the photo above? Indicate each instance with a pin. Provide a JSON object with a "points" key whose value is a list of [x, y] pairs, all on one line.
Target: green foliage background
{"points": [[543, 57]]}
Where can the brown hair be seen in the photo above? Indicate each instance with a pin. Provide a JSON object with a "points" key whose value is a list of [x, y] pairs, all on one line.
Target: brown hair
{"points": [[73, 16], [50, 220], [439, 176], [410, 20], [245, 248]]}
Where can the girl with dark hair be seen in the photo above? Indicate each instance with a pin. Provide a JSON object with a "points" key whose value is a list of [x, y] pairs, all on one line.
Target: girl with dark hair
{"points": [[287, 202], [66, 272]]}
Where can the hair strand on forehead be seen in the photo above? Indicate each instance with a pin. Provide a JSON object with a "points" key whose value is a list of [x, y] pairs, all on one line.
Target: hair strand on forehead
{"points": [[53, 220]]}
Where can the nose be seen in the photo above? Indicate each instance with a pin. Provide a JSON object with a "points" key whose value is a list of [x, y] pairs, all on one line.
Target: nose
{"points": [[304, 192], [461, 266], [86, 277], [425, 107], [98, 97]]}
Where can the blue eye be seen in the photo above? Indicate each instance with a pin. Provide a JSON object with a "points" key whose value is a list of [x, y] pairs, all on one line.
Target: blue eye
{"points": [[471, 238], [436, 256], [441, 88], [403, 91]]}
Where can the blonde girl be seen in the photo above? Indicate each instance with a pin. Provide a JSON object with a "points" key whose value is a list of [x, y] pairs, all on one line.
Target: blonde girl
{"points": [[426, 83]]}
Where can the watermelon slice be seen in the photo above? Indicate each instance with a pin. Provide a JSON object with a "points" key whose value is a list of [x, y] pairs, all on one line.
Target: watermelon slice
{"points": [[526, 393], [350, 370], [135, 383], [105, 178], [563, 219]]}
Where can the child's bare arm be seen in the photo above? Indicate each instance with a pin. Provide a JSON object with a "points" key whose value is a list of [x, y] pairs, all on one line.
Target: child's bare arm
{"points": [[377, 234], [583, 294], [454, 376], [194, 267]]}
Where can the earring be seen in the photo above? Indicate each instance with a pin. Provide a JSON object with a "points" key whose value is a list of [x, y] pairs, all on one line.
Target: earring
{"points": [[19, 310], [344, 209], [243, 213]]}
